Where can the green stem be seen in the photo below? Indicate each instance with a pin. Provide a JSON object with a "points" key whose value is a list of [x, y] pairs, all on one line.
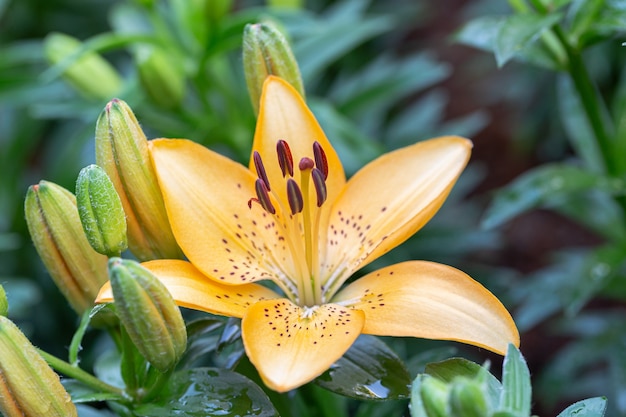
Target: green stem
{"points": [[589, 99], [587, 92], [86, 378]]}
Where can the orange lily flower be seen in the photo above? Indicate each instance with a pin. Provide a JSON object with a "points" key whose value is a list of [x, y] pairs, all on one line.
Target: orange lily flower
{"points": [[293, 219]]}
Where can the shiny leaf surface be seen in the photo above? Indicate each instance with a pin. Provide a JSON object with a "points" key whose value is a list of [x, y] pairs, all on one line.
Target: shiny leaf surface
{"points": [[206, 392], [369, 370]]}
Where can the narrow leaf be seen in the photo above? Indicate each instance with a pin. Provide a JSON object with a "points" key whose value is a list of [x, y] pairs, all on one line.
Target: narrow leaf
{"points": [[516, 388], [544, 186], [519, 31]]}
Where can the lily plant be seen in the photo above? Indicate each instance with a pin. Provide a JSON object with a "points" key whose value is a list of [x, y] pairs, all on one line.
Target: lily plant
{"points": [[275, 244]]}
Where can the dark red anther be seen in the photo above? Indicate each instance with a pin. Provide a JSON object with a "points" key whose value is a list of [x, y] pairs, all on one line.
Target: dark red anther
{"points": [[260, 169], [320, 158], [306, 163], [285, 160], [262, 192], [294, 196], [320, 186]]}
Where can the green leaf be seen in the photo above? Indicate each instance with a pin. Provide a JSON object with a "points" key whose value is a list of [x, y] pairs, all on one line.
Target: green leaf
{"points": [[584, 14], [107, 368], [81, 393], [206, 392], [576, 124], [368, 370], [85, 411], [596, 210], [481, 33], [591, 407], [516, 388], [453, 368], [518, 31], [335, 39], [77, 339], [542, 187], [599, 267], [202, 337]]}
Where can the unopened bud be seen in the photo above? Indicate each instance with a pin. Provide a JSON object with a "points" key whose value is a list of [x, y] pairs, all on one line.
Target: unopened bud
{"points": [[434, 394], [90, 74], [57, 233], [4, 303], [267, 52], [161, 76], [148, 312], [122, 151], [100, 211], [467, 399], [28, 387]]}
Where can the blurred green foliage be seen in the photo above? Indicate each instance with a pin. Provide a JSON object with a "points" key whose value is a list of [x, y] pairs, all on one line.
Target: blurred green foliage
{"points": [[580, 292]]}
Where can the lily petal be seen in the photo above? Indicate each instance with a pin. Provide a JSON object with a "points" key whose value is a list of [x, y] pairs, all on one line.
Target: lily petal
{"points": [[284, 115], [191, 289], [291, 346], [388, 200], [432, 301], [206, 196]]}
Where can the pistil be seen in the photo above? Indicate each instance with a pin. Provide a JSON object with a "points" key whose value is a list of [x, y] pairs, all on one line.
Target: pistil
{"points": [[313, 170]]}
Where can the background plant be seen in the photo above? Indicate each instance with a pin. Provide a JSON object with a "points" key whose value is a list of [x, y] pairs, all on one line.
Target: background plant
{"points": [[576, 45]]}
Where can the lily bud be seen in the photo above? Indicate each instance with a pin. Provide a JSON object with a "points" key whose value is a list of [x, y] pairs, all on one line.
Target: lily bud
{"points": [[161, 76], [434, 394], [91, 75], [28, 387], [267, 52], [148, 312], [4, 303], [100, 211], [467, 399], [57, 233], [122, 151]]}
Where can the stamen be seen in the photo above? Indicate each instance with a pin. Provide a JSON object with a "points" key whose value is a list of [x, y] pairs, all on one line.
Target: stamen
{"points": [[263, 196], [294, 195], [320, 186], [285, 160], [260, 169], [320, 158], [306, 163]]}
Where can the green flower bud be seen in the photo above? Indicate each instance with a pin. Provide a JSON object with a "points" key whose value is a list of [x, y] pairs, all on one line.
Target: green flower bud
{"points": [[122, 151], [467, 399], [57, 233], [4, 303], [161, 76], [267, 52], [28, 387], [100, 211], [434, 395], [90, 74], [148, 312]]}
